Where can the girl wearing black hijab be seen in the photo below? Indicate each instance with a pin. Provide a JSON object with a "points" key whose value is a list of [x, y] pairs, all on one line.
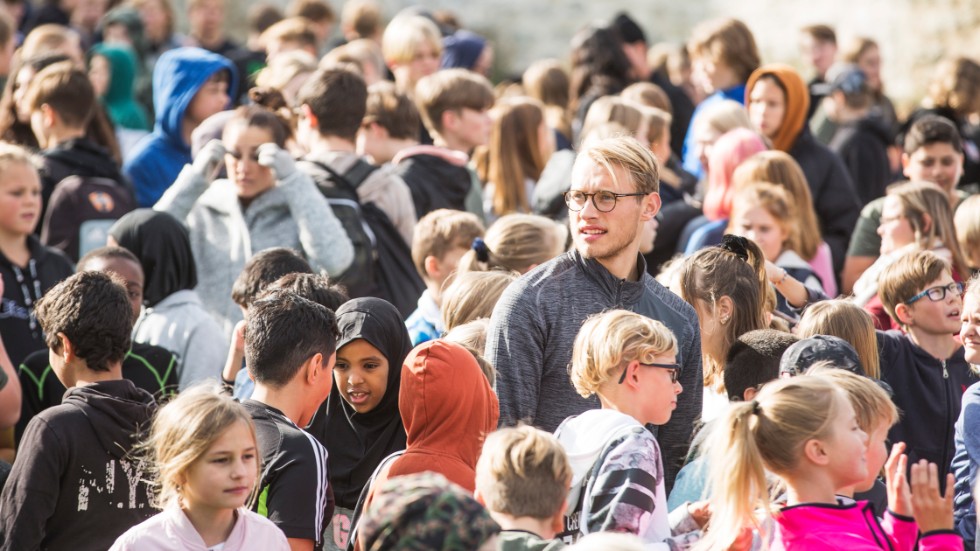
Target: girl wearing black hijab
{"points": [[173, 316], [362, 424]]}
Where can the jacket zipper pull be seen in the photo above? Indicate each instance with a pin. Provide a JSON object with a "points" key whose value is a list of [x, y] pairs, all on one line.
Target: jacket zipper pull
{"points": [[945, 371]]}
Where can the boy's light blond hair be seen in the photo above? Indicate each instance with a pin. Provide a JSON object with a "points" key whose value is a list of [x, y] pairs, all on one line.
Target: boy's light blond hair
{"points": [[611, 338], [405, 34], [451, 90], [439, 232], [523, 472], [872, 405]]}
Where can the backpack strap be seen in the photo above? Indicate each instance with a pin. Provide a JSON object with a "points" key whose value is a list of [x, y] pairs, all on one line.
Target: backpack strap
{"points": [[353, 178], [355, 518]]}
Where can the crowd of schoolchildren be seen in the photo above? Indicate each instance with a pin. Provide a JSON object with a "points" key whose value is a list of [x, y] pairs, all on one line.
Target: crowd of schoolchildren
{"points": [[331, 288]]}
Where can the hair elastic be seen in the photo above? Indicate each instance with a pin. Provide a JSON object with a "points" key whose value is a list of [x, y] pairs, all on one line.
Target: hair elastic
{"points": [[482, 251], [737, 245]]}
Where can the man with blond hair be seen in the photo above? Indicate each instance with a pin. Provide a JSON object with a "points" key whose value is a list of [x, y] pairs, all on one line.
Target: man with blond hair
{"points": [[614, 192]]}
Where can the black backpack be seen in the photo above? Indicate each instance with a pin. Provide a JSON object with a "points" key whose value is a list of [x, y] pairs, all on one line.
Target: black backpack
{"points": [[382, 264], [81, 211]]}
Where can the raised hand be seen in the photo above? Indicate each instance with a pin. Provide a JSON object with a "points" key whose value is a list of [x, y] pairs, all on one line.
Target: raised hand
{"points": [[208, 160], [899, 495], [931, 510], [274, 157]]}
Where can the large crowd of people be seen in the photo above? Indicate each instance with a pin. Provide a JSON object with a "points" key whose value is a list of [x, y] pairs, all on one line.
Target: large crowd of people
{"points": [[335, 289]]}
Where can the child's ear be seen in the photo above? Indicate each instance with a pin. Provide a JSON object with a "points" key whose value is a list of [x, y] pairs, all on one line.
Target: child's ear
{"points": [[724, 307], [48, 115], [904, 313], [449, 119], [312, 367], [815, 452], [749, 394], [479, 498], [310, 116], [926, 222], [558, 521], [431, 265], [67, 351]]}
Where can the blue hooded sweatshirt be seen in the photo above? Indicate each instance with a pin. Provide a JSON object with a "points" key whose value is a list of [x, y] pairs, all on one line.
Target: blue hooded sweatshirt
{"points": [[159, 157]]}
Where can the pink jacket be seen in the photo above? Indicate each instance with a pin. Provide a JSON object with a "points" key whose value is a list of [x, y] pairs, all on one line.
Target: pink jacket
{"points": [[171, 529], [853, 527]]}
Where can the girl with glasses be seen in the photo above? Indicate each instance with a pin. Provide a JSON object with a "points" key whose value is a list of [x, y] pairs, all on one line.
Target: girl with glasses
{"points": [[916, 216]]}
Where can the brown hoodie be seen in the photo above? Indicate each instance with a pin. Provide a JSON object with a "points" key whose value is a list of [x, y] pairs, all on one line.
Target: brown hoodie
{"points": [[447, 407]]}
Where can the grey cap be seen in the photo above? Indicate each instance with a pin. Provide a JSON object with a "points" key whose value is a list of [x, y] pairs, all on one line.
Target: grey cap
{"points": [[819, 348]]}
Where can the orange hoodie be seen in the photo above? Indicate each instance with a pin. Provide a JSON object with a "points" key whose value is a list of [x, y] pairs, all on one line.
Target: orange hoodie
{"points": [[797, 102], [447, 407]]}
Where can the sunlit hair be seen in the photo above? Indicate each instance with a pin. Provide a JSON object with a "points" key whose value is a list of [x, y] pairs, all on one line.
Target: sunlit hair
{"points": [[608, 340], [774, 200], [513, 155], [967, 225], [472, 295], [727, 41], [777, 167], [517, 242], [405, 34], [182, 432], [472, 334], [751, 438], [907, 277], [713, 273], [956, 85], [547, 81], [648, 94], [926, 207], [873, 406], [613, 109], [846, 320], [627, 153], [523, 472], [14, 154]]}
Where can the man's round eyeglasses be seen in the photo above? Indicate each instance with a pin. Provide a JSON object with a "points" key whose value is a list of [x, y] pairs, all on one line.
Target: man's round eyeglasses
{"points": [[603, 201]]}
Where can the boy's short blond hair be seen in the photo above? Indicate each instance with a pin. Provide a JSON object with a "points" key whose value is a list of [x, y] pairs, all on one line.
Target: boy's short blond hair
{"points": [[405, 34], [872, 405], [523, 472], [451, 90], [439, 232], [907, 277], [609, 339]]}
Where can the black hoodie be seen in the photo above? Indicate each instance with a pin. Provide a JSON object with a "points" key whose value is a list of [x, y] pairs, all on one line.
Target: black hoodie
{"points": [[75, 157], [74, 484], [437, 177], [863, 147]]}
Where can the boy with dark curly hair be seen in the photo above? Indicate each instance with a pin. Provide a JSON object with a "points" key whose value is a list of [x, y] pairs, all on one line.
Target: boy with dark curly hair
{"points": [[74, 484]]}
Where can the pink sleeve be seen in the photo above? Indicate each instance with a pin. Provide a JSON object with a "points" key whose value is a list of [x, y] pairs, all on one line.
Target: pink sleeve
{"points": [[901, 530], [944, 540], [823, 265]]}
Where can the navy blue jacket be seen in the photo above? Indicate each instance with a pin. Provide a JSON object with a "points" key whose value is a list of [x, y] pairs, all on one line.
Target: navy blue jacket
{"points": [[928, 393]]}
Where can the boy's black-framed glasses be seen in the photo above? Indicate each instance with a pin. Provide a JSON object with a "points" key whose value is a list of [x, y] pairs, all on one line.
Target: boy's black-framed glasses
{"points": [[938, 293], [675, 370], [603, 201]]}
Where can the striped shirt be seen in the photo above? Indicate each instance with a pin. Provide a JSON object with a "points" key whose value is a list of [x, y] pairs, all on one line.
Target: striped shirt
{"points": [[294, 491]]}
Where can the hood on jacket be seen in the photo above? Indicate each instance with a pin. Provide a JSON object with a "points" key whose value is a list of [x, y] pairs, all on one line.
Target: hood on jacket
{"points": [[584, 437], [177, 77], [119, 97], [117, 410], [163, 246], [447, 407], [797, 101], [81, 156]]}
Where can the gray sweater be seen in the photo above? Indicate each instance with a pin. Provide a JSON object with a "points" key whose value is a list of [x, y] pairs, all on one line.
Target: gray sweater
{"points": [[292, 214], [533, 328]]}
